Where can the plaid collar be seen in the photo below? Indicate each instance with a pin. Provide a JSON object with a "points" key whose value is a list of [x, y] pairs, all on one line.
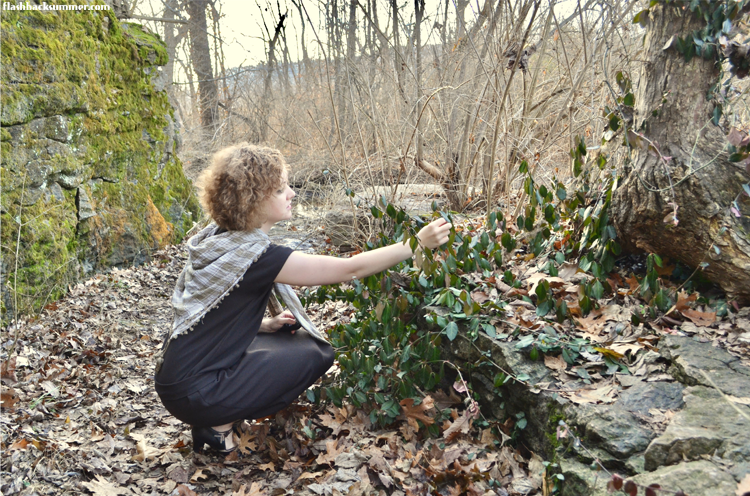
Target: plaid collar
{"points": [[216, 264]]}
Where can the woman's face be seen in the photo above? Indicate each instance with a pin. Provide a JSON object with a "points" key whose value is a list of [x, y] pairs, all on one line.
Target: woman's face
{"points": [[279, 203]]}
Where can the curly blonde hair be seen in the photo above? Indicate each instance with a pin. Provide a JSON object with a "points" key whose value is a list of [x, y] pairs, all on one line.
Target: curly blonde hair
{"points": [[233, 187]]}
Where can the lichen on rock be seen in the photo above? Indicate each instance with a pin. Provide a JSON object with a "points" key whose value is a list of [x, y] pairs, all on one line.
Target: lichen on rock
{"points": [[88, 168]]}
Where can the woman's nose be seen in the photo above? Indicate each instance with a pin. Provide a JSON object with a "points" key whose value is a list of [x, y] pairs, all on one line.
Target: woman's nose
{"points": [[292, 194]]}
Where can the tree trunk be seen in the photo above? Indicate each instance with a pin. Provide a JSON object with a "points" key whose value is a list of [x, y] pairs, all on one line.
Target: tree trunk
{"points": [[398, 62], [171, 40], [419, 14], [698, 177], [201, 54], [265, 105]]}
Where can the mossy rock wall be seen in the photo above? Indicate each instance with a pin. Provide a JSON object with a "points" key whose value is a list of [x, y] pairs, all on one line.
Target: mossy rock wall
{"points": [[88, 169]]}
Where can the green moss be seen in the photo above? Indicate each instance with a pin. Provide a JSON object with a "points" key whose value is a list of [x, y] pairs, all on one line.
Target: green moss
{"points": [[555, 415], [4, 135], [59, 64], [46, 250]]}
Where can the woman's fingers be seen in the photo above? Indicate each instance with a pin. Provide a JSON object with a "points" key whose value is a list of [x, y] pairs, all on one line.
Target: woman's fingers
{"points": [[287, 317], [435, 233]]}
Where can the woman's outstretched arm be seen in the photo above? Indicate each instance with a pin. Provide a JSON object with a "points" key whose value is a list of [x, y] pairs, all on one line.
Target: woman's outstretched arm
{"points": [[302, 269]]}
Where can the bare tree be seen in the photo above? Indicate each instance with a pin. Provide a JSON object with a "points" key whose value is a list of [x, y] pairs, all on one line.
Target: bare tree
{"points": [[677, 197], [271, 65], [200, 53]]}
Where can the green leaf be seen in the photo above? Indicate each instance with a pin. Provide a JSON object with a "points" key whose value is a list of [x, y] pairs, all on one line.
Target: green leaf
{"points": [[614, 122], [451, 262], [561, 193], [521, 424], [622, 80], [500, 379], [661, 300], [541, 291], [534, 354], [524, 167], [544, 307], [391, 211], [489, 329], [597, 290], [524, 342], [451, 330], [601, 161], [406, 353], [498, 258], [629, 100]]}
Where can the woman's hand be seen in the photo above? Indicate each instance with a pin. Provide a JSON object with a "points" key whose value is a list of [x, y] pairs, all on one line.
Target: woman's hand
{"points": [[273, 324], [434, 234]]}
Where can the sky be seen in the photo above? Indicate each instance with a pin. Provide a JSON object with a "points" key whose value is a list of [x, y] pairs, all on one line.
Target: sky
{"points": [[243, 33]]}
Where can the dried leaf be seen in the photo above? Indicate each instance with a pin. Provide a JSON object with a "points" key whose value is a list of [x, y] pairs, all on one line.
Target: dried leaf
{"points": [[198, 475], [8, 371], [480, 296], [8, 398], [604, 394], [743, 488], [460, 426], [630, 488], [414, 413], [567, 271], [459, 386], [19, 444], [555, 363], [700, 318], [612, 354], [102, 487], [183, 490]]}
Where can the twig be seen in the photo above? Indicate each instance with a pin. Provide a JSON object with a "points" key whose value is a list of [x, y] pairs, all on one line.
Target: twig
{"points": [[731, 403]]}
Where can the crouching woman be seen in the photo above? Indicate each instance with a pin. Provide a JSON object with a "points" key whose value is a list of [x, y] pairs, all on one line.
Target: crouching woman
{"points": [[223, 362]]}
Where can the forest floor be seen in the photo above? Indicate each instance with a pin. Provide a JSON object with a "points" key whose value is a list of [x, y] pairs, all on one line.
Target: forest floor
{"points": [[80, 414]]}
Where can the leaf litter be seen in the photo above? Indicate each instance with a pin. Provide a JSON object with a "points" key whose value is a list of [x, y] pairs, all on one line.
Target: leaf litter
{"points": [[80, 416]]}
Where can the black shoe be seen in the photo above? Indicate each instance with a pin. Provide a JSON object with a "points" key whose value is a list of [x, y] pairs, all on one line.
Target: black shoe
{"points": [[215, 440]]}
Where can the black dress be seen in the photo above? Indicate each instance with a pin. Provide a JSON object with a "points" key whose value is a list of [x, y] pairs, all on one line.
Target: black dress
{"points": [[225, 370]]}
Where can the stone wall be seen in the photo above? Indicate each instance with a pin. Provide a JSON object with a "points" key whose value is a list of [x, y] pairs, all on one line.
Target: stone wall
{"points": [[681, 420], [88, 169]]}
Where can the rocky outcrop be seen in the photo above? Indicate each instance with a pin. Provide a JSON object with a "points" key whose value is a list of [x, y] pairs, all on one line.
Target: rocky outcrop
{"points": [[89, 173], [684, 424]]}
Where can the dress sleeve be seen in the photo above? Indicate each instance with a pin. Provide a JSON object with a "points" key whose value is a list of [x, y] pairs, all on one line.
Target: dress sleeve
{"points": [[263, 272]]}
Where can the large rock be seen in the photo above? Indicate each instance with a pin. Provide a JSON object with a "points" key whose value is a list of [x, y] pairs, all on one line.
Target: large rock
{"points": [[628, 436], [89, 173], [699, 478], [694, 363], [709, 424], [611, 428]]}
